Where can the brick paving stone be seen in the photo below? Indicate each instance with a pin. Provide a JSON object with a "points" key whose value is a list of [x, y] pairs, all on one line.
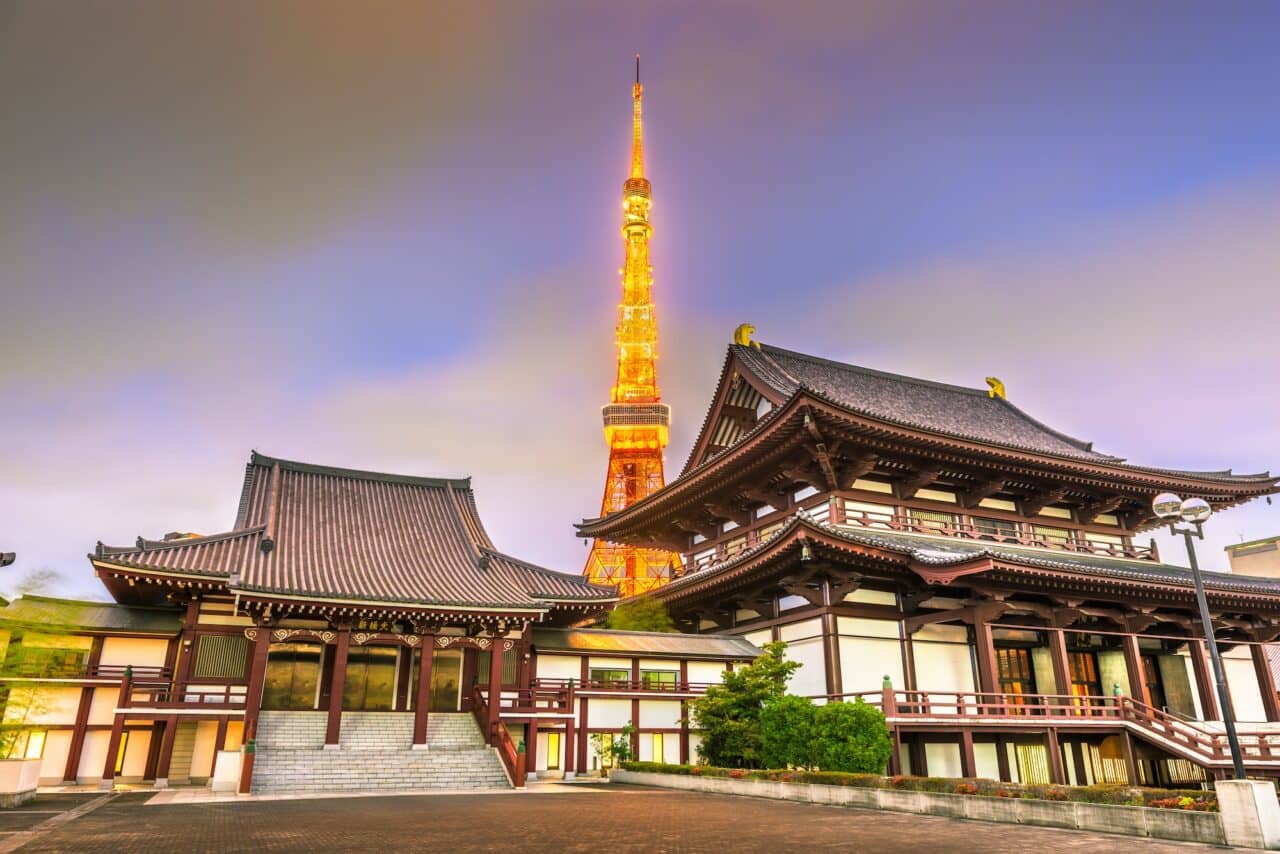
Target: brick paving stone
{"points": [[618, 819]]}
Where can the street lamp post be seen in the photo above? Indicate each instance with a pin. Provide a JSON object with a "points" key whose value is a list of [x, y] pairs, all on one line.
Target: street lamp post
{"points": [[1194, 511]]}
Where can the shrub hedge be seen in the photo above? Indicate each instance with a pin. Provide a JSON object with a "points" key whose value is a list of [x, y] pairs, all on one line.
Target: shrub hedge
{"points": [[1110, 793]]}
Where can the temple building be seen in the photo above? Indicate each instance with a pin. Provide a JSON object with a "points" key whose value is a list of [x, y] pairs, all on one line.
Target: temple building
{"points": [[351, 630], [977, 574], [636, 421]]}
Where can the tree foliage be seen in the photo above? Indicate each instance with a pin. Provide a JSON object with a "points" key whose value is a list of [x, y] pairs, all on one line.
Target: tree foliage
{"points": [[641, 615], [851, 737], [786, 733], [728, 715]]}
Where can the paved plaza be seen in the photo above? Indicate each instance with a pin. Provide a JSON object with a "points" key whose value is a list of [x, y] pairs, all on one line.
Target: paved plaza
{"points": [[560, 818]]}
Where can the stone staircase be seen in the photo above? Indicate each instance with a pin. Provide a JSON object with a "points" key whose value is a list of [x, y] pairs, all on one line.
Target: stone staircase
{"points": [[374, 753]]}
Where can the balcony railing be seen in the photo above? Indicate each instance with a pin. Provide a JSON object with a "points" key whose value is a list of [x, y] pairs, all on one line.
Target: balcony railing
{"points": [[219, 697], [36, 669], [1194, 740], [904, 522]]}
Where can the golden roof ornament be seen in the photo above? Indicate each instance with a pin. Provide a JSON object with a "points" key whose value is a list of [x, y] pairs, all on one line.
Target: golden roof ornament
{"points": [[742, 336], [997, 388]]}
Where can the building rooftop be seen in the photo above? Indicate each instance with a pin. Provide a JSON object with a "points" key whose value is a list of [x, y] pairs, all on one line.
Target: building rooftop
{"points": [[317, 532], [49, 614], [673, 644]]}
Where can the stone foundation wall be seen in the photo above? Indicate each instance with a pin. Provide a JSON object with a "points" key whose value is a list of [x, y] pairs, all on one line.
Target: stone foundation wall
{"points": [[1178, 825]]}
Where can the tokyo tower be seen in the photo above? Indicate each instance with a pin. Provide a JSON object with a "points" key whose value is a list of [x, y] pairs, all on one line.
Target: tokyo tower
{"points": [[635, 419]]}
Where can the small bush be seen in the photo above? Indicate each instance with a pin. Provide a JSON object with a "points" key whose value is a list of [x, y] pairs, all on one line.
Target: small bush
{"points": [[787, 733], [851, 737]]}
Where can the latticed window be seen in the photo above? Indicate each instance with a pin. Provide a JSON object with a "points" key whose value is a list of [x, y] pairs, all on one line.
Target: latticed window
{"points": [[1050, 535], [995, 529], [932, 520], [220, 657], [508, 666]]}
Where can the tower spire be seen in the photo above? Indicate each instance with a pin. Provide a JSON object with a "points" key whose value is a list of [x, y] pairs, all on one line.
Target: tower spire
{"points": [[635, 419], [637, 137]]}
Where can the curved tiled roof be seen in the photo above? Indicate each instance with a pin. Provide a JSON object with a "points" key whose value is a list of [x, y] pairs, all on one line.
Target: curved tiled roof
{"points": [[956, 411], [325, 533]]}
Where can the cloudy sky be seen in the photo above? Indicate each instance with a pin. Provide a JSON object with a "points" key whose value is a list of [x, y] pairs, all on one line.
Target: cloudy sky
{"points": [[385, 235]]}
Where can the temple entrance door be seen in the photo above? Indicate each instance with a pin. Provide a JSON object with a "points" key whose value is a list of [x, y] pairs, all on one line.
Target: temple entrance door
{"points": [[1155, 683], [446, 680], [293, 676], [371, 679]]}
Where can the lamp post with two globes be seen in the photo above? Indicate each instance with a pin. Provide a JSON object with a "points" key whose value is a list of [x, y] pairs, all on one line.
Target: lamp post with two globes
{"points": [[1194, 511]]}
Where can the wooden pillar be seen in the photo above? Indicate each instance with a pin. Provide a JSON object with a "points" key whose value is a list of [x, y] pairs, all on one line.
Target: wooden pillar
{"points": [[333, 728], [257, 680], [582, 735], [1054, 751], [494, 698], [570, 748], [220, 736], [1131, 766], [919, 762], [1266, 680], [166, 751], [1137, 674], [985, 652], [71, 772], [1204, 682], [117, 729], [1061, 662], [113, 747], [831, 643], [968, 762], [531, 747], [186, 645], [422, 701], [261, 637], [1002, 760]]}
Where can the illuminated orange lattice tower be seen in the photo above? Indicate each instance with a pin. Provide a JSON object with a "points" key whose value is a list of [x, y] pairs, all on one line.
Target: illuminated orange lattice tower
{"points": [[636, 419]]}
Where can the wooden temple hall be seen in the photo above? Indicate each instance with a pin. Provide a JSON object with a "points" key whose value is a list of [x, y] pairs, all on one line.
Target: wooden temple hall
{"points": [[977, 574]]}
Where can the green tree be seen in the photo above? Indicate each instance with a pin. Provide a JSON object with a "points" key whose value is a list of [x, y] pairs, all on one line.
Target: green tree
{"points": [[851, 737], [728, 715], [613, 750], [787, 733], [641, 615]]}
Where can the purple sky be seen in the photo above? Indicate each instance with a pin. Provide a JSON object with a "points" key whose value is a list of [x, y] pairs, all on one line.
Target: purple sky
{"points": [[377, 236]]}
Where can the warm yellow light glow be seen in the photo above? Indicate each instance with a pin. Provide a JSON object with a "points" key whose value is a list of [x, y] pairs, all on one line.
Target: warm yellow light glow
{"points": [[636, 420]]}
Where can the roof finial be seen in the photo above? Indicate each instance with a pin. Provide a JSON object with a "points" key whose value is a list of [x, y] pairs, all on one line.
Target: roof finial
{"points": [[997, 388], [637, 68]]}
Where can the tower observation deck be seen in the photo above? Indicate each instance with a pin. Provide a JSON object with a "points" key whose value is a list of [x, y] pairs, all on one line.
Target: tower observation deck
{"points": [[635, 419]]}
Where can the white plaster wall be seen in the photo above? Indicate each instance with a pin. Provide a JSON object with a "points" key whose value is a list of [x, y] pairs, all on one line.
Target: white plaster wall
{"points": [[864, 662], [759, 638], [611, 663], [93, 756], [57, 744], [43, 704], [140, 652], [694, 740], [803, 629], [1011, 753], [204, 748], [943, 760], [986, 760], [658, 714], [559, 667], [103, 708], [811, 678], [1191, 678], [942, 666], [608, 712], [710, 672], [867, 628], [1242, 684], [135, 754]]}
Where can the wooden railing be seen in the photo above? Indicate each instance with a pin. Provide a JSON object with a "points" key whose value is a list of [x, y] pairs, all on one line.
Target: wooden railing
{"points": [[969, 531], [498, 737], [1196, 740], [37, 669], [220, 697]]}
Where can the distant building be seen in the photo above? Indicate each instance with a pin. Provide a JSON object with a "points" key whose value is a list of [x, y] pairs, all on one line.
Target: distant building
{"points": [[1256, 557]]}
